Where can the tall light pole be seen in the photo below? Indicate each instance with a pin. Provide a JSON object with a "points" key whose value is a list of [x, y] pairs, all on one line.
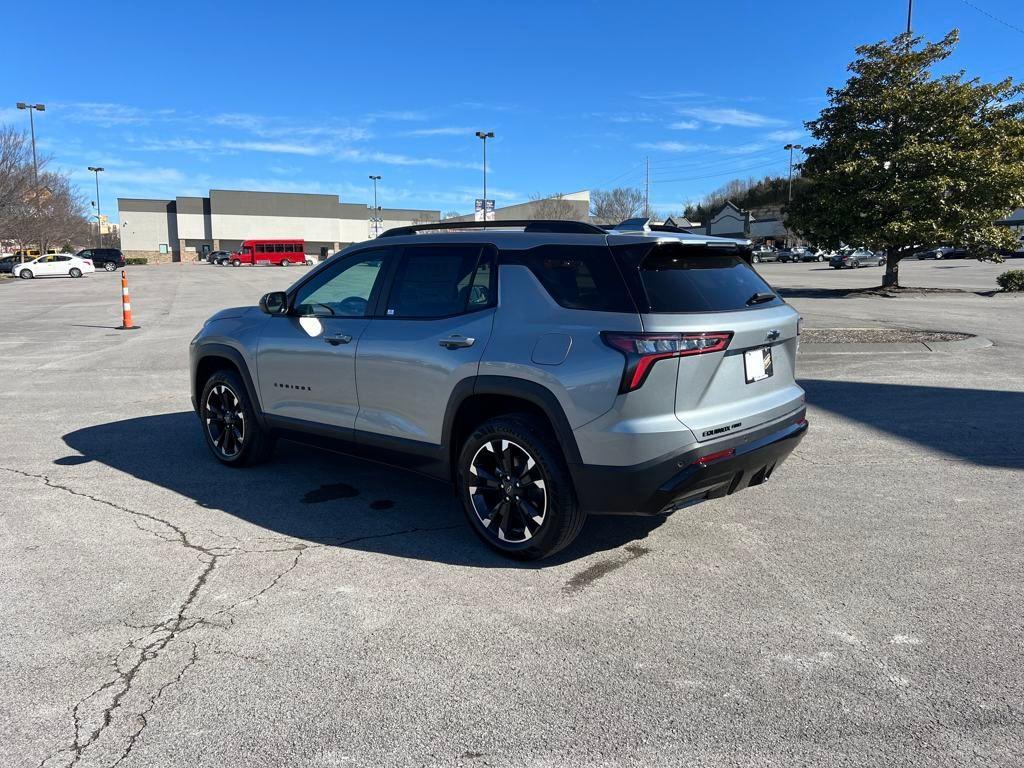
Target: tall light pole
{"points": [[35, 163], [99, 227], [791, 147], [910, 14], [485, 136], [376, 209]]}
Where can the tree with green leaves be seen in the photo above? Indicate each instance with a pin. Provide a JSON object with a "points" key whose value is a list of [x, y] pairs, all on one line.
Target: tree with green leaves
{"points": [[906, 158]]}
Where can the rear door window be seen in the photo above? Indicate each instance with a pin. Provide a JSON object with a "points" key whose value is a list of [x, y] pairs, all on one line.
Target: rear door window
{"points": [[442, 281], [673, 278], [576, 276]]}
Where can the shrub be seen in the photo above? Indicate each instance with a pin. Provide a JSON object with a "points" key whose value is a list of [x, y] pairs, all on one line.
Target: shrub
{"points": [[137, 260], [1011, 280]]}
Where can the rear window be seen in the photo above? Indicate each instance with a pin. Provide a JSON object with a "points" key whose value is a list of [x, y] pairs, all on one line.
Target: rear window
{"points": [[676, 278], [576, 276]]}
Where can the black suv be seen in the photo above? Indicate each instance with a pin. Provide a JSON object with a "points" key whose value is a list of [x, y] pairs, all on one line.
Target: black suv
{"points": [[103, 258]]}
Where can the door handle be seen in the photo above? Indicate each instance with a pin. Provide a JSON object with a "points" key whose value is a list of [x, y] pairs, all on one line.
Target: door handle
{"points": [[456, 341], [338, 338]]}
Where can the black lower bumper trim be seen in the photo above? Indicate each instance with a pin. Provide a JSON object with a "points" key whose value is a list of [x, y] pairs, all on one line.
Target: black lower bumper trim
{"points": [[648, 489]]}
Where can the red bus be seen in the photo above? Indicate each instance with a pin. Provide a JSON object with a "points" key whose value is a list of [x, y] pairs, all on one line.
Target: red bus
{"points": [[280, 252]]}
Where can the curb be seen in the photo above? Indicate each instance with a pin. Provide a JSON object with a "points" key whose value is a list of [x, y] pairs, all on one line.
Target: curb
{"points": [[820, 348]]}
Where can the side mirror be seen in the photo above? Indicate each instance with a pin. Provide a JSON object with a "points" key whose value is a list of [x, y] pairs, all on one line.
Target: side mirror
{"points": [[274, 303]]}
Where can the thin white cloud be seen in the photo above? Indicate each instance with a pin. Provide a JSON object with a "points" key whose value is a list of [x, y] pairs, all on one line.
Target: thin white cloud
{"points": [[408, 115], [105, 114], [673, 146], [443, 131], [730, 116], [277, 147], [787, 135], [391, 158], [685, 125]]}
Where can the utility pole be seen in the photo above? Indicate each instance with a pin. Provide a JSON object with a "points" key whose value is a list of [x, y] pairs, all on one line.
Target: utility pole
{"points": [[35, 167], [647, 186], [485, 136], [910, 14], [791, 147], [376, 208], [99, 217]]}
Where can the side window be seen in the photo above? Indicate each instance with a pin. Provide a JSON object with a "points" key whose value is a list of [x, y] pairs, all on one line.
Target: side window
{"points": [[442, 281], [345, 290], [86, 254], [577, 276], [279, 247], [261, 248]]}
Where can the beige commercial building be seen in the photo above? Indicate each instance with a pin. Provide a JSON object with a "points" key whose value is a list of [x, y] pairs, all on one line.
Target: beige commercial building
{"points": [[185, 228]]}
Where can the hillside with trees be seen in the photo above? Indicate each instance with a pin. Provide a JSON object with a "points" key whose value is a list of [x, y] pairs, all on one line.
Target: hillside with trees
{"points": [[747, 194]]}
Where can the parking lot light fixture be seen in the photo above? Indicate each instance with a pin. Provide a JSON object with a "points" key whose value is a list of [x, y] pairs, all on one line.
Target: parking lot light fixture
{"points": [[376, 208], [35, 163], [791, 147], [99, 218], [485, 136]]}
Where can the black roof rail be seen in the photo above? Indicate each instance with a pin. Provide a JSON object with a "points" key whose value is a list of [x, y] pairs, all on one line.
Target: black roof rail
{"points": [[538, 225]]}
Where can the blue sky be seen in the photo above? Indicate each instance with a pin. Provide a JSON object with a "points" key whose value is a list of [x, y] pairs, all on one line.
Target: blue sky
{"points": [[175, 98]]}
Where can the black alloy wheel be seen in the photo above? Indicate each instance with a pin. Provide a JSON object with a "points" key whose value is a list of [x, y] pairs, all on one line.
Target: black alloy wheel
{"points": [[224, 417], [507, 490], [516, 489]]}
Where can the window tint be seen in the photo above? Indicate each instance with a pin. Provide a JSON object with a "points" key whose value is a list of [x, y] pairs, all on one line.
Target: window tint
{"points": [[261, 248], [279, 247], [576, 276], [683, 278], [343, 291], [442, 280]]}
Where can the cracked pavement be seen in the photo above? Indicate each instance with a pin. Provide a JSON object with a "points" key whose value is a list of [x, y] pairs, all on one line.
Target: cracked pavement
{"points": [[161, 610]]}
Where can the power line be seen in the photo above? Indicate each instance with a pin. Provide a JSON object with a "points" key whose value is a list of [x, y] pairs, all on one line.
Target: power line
{"points": [[720, 173], [1007, 24], [701, 165]]}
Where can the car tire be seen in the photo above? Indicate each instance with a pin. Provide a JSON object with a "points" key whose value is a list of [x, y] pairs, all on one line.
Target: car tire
{"points": [[74, 272], [524, 449], [230, 426], [821, 258], [756, 259], [285, 263], [26, 274], [856, 265], [109, 266], [236, 263]]}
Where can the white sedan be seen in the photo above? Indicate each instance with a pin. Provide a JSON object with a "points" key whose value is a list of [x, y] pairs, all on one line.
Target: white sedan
{"points": [[53, 264]]}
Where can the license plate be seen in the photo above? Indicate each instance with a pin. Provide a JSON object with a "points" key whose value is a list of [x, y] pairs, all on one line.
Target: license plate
{"points": [[758, 364]]}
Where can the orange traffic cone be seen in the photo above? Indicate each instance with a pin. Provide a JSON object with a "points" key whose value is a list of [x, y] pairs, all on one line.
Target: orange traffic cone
{"points": [[126, 307]]}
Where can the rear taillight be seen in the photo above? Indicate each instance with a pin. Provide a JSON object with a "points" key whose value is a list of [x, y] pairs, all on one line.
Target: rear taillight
{"points": [[643, 350]]}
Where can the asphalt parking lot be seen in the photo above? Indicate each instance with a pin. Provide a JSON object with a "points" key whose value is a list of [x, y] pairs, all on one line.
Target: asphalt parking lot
{"points": [[158, 609]]}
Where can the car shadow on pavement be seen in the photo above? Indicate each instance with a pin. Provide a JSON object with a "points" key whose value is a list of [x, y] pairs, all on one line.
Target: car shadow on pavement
{"points": [[319, 496], [981, 426]]}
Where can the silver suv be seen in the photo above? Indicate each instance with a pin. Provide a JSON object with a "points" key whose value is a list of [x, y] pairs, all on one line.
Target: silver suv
{"points": [[548, 370]]}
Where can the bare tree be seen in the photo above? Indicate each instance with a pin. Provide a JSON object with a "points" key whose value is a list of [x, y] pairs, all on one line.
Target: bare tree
{"points": [[62, 214], [15, 169], [612, 206], [554, 207], [450, 215]]}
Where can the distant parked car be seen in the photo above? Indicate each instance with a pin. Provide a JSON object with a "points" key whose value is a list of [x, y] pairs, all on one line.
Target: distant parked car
{"points": [[861, 257], [764, 253], [7, 263], [808, 253], [108, 259], [52, 265], [943, 252], [786, 256], [218, 257]]}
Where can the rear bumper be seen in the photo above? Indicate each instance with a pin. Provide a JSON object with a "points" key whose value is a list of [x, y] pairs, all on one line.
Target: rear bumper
{"points": [[652, 487]]}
